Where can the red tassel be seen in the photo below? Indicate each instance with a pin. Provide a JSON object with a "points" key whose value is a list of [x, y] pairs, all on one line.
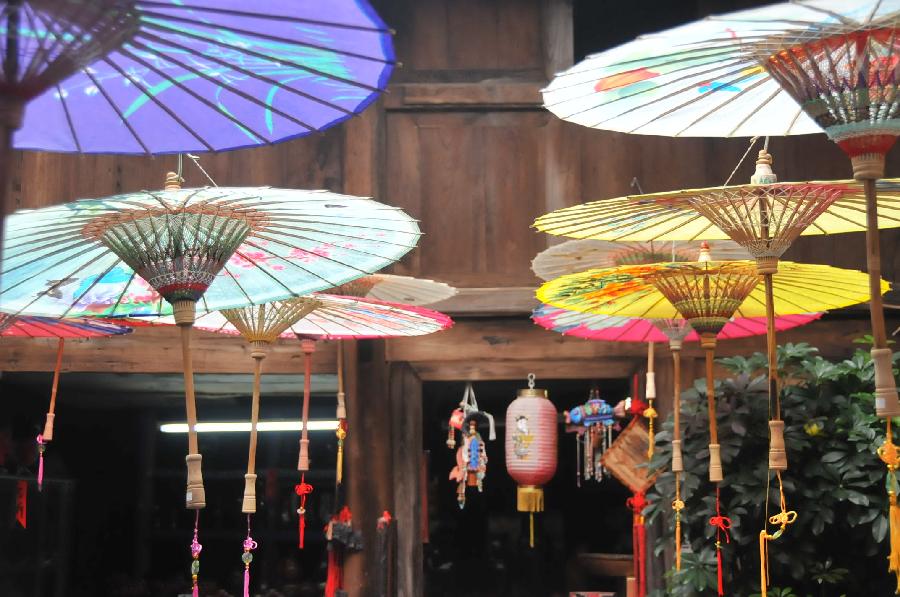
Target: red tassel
{"points": [[302, 490], [22, 503], [719, 566], [335, 572], [637, 503]]}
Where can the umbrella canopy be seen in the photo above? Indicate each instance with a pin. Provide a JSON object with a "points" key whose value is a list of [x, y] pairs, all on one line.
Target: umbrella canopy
{"points": [[829, 207], [46, 327], [579, 255], [627, 291], [95, 256], [591, 326], [405, 290], [343, 317], [163, 76], [722, 76]]}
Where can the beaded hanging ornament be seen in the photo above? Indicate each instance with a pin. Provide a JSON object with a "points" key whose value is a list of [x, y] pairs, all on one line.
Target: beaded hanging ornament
{"points": [[592, 423]]}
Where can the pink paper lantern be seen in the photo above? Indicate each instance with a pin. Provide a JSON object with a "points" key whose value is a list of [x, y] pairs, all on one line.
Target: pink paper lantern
{"points": [[531, 433]]}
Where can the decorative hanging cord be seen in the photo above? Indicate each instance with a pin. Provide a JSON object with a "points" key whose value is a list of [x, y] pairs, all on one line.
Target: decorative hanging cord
{"points": [[650, 393], [47, 436], [722, 524], [196, 548], [784, 518], [890, 456], [308, 346], [341, 431], [677, 457]]}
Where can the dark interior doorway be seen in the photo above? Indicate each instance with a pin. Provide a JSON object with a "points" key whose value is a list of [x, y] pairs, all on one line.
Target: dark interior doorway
{"points": [[483, 549]]}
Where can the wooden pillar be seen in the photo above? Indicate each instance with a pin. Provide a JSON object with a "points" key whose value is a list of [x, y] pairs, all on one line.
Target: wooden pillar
{"points": [[368, 452], [406, 418]]}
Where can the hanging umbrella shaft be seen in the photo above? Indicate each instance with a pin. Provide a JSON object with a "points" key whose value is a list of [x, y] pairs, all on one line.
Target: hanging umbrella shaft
{"points": [[51, 412], [195, 498], [715, 460], [249, 505], [886, 403]]}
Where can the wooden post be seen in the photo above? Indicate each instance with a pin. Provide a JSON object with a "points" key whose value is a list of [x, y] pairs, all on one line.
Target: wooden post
{"points": [[368, 455], [406, 418]]}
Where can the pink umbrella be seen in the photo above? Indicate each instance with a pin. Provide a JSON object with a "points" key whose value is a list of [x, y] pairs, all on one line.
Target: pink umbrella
{"points": [[628, 329], [63, 329]]}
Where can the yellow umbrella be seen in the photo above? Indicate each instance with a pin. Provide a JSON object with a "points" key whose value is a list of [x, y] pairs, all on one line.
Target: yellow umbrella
{"points": [[708, 294], [627, 290]]}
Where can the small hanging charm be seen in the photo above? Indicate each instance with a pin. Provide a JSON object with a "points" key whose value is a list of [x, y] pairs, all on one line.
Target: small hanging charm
{"points": [[196, 548], [42, 447]]}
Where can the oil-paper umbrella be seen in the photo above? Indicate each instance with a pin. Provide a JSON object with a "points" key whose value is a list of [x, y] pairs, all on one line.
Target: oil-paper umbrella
{"points": [[404, 290], [707, 295], [788, 68], [219, 247], [308, 318], [610, 328], [579, 255], [62, 329], [166, 76]]}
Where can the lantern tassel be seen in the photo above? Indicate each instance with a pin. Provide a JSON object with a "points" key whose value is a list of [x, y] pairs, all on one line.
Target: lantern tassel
{"points": [[247, 557], [531, 530], [891, 457]]}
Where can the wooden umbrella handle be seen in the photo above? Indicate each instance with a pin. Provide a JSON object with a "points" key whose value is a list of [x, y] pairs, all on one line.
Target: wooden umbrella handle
{"points": [[886, 402], [715, 457], [51, 412], [249, 504], [677, 456], [308, 347], [195, 496]]}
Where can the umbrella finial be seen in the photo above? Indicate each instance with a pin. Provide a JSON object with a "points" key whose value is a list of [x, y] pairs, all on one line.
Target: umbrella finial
{"points": [[764, 174], [173, 181], [705, 254]]}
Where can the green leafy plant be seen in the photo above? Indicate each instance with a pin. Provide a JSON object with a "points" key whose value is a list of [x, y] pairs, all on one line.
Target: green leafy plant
{"points": [[835, 480]]}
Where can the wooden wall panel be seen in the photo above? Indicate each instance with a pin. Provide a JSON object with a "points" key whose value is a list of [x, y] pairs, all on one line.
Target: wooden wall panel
{"points": [[475, 180], [42, 179], [465, 39]]}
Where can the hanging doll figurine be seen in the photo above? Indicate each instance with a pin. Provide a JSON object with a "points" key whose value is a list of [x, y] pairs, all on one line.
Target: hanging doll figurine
{"points": [[471, 453]]}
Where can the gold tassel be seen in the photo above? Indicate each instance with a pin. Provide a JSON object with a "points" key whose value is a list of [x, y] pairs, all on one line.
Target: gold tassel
{"points": [[678, 506], [530, 499], [894, 558], [531, 530], [782, 520], [890, 456], [341, 434]]}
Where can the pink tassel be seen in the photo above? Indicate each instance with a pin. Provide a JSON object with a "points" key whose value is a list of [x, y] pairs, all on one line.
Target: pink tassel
{"points": [[195, 592], [40, 475], [247, 557]]}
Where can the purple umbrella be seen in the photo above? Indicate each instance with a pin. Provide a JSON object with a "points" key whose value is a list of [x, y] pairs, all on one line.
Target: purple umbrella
{"points": [[171, 76]]}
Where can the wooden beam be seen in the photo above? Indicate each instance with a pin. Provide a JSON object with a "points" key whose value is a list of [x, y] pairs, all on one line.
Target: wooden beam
{"points": [[157, 349], [498, 93], [477, 341], [557, 35], [605, 368]]}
